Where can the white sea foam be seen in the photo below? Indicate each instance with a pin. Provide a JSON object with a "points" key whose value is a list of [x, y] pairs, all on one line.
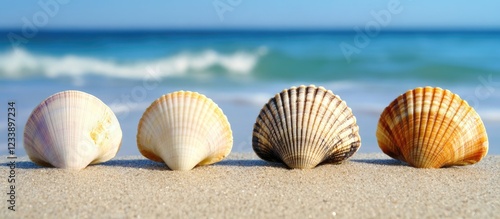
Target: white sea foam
{"points": [[256, 99], [21, 64], [127, 107]]}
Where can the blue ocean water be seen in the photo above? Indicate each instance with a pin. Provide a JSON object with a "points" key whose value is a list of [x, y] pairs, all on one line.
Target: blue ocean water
{"points": [[241, 70]]}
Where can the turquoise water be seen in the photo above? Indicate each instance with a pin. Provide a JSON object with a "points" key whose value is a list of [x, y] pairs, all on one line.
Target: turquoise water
{"points": [[242, 70]]}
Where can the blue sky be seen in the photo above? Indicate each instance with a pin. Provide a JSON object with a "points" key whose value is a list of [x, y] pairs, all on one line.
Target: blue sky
{"points": [[189, 14]]}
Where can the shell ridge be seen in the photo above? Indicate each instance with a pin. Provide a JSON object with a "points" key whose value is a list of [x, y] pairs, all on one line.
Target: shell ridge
{"points": [[451, 126], [408, 154], [460, 151], [347, 142], [330, 143], [319, 107], [384, 136], [339, 123], [281, 117], [162, 104], [334, 146], [262, 149], [420, 153], [344, 141], [480, 153], [166, 104], [477, 153], [404, 140], [46, 115], [410, 97], [396, 120], [272, 127], [436, 117], [267, 112], [180, 122], [284, 121], [59, 153], [277, 123], [302, 119], [433, 154], [324, 120], [427, 98], [218, 144], [68, 103], [393, 133], [221, 139], [197, 117], [307, 112], [384, 133], [187, 140], [291, 126], [460, 142], [36, 138], [399, 148], [176, 122], [442, 104], [299, 104]]}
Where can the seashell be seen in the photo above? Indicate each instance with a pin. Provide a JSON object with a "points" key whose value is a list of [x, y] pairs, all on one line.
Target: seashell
{"points": [[304, 127], [431, 128], [72, 129], [184, 129]]}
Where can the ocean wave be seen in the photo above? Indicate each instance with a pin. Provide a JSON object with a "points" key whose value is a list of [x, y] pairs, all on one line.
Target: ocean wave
{"points": [[18, 64], [254, 99], [127, 107]]}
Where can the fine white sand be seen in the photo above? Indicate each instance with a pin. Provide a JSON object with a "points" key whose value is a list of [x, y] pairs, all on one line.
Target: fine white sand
{"points": [[243, 186]]}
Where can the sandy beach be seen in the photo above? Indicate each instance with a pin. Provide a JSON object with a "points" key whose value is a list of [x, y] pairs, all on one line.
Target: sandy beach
{"points": [[243, 186]]}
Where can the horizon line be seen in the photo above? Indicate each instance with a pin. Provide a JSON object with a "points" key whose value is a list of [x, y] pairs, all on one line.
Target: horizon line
{"points": [[263, 30]]}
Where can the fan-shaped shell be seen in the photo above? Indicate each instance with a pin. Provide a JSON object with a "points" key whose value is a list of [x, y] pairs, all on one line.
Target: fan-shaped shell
{"points": [[71, 130], [184, 129], [431, 128], [305, 126]]}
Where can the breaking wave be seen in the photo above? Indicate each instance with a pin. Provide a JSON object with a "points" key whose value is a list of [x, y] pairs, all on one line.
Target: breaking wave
{"points": [[20, 64]]}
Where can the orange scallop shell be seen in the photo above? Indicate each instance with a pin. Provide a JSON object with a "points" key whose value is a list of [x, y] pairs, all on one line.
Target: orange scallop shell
{"points": [[432, 128]]}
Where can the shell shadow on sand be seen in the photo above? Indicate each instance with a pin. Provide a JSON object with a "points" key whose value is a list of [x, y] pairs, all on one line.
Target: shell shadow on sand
{"points": [[132, 163], [24, 165], [250, 163], [382, 162], [136, 163], [245, 163]]}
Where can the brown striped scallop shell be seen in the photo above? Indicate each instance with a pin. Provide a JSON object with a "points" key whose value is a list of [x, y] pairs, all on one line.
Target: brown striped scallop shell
{"points": [[431, 128], [304, 127]]}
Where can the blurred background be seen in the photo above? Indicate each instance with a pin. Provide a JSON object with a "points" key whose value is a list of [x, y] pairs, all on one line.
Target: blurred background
{"points": [[240, 53]]}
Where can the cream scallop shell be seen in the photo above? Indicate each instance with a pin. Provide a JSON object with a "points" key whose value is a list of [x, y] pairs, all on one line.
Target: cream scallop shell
{"points": [[305, 126], [184, 129], [431, 128], [72, 129]]}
